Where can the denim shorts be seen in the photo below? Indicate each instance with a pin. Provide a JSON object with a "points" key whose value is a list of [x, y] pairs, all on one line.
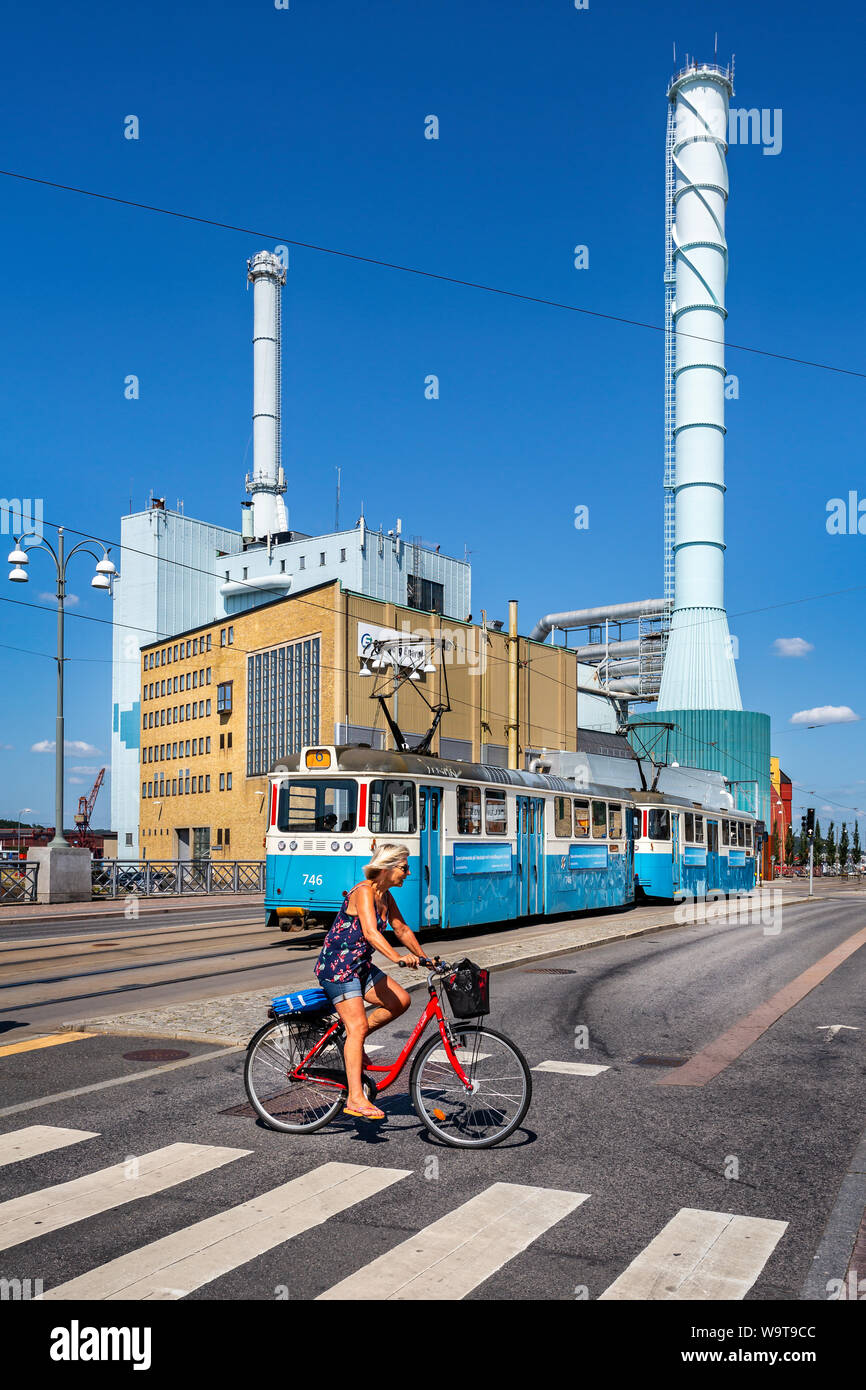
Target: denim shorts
{"points": [[338, 990]]}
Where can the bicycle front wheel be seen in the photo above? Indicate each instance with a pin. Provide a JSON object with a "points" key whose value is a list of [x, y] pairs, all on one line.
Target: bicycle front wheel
{"points": [[501, 1088], [294, 1106]]}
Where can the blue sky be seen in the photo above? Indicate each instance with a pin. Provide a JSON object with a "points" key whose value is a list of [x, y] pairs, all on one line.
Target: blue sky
{"points": [[308, 123]]}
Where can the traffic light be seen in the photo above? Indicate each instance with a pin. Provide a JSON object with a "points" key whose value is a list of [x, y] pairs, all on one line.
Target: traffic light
{"points": [[810, 822]]}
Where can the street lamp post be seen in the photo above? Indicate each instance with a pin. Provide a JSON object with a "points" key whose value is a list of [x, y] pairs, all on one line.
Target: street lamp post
{"points": [[105, 570], [25, 810]]}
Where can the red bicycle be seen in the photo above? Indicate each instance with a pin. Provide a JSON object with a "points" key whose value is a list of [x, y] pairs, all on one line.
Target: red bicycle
{"points": [[470, 1085]]}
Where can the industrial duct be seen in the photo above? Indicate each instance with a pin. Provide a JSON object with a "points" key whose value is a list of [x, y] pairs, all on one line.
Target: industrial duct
{"points": [[266, 273], [591, 617]]}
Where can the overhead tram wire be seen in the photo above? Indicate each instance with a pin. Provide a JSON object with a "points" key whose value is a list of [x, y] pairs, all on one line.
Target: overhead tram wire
{"points": [[279, 238]]}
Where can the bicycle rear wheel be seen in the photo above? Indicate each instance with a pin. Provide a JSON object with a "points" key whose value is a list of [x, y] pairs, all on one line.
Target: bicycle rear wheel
{"points": [[294, 1106], [501, 1088]]}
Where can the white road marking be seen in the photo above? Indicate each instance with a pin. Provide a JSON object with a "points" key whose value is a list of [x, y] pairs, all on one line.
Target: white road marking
{"points": [[463, 1054], [833, 1028], [37, 1213], [38, 1139], [572, 1068], [178, 1264], [700, 1255], [451, 1257]]}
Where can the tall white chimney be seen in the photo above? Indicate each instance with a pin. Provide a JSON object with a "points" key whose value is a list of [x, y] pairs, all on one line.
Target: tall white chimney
{"points": [[267, 482], [699, 670]]}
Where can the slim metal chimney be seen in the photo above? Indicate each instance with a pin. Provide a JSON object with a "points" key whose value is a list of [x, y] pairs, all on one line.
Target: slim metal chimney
{"points": [[267, 483], [699, 671]]}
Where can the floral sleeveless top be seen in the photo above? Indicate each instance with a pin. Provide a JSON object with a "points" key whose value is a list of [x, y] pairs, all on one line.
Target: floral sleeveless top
{"points": [[346, 953]]}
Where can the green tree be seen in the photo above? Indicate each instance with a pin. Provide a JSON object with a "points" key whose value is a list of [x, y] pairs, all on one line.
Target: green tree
{"points": [[855, 847], [843, 848], [830, 845], [818, 842]]}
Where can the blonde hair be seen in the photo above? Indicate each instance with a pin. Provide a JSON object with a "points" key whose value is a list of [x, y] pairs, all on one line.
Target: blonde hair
{"points": [[385, 857]]}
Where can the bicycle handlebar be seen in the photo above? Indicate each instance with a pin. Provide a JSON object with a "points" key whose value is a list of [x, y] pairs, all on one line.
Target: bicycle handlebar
{"points": [[436, 964]]}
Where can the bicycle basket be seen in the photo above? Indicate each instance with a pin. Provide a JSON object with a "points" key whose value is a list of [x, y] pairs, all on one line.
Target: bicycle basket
{"points": [[468, 990], [303, 1001]]}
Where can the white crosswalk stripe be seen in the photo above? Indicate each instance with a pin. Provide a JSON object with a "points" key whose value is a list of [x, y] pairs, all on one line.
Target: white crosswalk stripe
{"points": [[572, 1068], [38, 1139], [451, 1257], [700, 1255], [178, 1264], [37, 1213]]}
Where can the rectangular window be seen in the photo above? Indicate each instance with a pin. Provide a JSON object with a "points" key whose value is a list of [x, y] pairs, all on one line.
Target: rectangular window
{"points": [[231, 635], [659, 823], [207, 745], [562, 817], [699, 830], [224, 697], [144, 721], [342, 556], [194, 679], [200, 782], [222, 636], [425, 594], [144, 789], [208, 675], [228, 781], [599, 820], [222, 740], [748, 835], [195, 646], [468, 810], [228, 836], [201, 709], [188, 647], [741, 833], [614, 822], [207, 782], [306, 804], [302, 563], [282, 567], [174, 786], [175, 651], [321, 557], [495, 813], [392, 807], [219, 838], [725, 835], [229, 739], [689, 831], [581, 820], [208, 641], [222, 781]]}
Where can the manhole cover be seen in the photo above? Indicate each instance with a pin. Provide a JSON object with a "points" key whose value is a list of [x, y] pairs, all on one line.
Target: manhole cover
{"points": [[650, 1061], [155, 1054], [549, 970]]}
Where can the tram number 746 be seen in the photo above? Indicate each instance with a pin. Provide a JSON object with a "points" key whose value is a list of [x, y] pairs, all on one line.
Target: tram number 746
{"points": [[314, 879]]}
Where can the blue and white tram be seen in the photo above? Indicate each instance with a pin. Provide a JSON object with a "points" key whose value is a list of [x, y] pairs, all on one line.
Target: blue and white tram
{"points": [[682, 848], [485, 844]]}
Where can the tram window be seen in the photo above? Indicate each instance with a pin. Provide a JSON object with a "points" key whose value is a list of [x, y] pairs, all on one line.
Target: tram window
{"points": [[468, 810], [581, 820], [659, 823], [392, 807], [741, 833], [748, 837], [634, 813], [690, 827], [317, 806], [599, 820], [614, 820], [495, 813], [434, 818], [562, 817], [724, 833], [699, 830]]}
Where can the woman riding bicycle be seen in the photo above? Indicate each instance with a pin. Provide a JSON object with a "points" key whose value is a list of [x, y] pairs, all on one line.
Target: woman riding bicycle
{"points": [[345, 968]]}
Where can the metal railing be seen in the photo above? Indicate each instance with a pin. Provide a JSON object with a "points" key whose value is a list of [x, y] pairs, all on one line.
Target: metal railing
{"points": [[154, 878], [18, 882]]}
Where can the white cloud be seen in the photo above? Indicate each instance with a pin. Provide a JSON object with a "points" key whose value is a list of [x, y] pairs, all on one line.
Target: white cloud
{"points": [[7, 746], [825, 714], [71, 599], [76, 746], [792, 646], [83, 771]]}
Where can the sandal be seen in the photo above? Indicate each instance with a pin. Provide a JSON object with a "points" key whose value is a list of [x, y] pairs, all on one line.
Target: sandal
{"points": [[373, 1114]]}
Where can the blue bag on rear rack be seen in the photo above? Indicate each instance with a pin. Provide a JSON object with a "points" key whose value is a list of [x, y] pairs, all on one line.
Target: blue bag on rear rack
{"points": [[302, 1001]]}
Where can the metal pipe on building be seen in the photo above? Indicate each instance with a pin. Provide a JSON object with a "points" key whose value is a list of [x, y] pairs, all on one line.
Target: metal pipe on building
{"points": [[699, 668], [513, 710], [267, 484], [597, 651], [591, 617]]}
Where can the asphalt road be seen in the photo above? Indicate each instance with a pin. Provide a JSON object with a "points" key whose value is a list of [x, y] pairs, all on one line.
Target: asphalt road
{"points": [[771, 1137]]}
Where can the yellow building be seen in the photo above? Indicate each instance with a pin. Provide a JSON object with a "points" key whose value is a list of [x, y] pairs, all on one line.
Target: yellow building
{"points": [[224, 701]]}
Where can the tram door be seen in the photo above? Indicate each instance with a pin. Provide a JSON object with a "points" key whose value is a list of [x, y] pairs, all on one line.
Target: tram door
{"points": [[430, 870], [676, 859], [712, 854], [530, 855]]}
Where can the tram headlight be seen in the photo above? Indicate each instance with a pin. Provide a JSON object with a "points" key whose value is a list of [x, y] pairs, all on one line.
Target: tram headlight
{"points": [[347, 845], [281, 844], [293, 844], [335, 844]]}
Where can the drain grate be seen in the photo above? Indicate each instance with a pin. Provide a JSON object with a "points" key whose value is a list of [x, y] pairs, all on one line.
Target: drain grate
{"points": [[155, 1054], [648, 1060], [548, 970]]}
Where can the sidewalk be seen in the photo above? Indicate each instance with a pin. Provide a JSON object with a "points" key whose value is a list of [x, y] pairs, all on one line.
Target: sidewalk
{"points": [[231, 1019]]}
